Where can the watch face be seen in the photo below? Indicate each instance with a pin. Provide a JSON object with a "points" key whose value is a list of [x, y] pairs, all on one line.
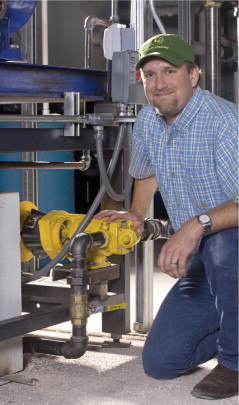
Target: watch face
{"points": [[204, 218], [205, 221]]}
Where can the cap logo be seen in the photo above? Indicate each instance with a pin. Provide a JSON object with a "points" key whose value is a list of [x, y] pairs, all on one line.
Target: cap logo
{"points": [[153, 47], [158, 41]]}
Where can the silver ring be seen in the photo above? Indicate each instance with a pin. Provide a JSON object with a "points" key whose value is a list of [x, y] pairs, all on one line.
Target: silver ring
{"points": [[175, 263]]}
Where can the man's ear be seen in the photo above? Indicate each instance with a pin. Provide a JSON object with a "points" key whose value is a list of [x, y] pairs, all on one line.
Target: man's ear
{"points": [[139, 77], [194, 75]]}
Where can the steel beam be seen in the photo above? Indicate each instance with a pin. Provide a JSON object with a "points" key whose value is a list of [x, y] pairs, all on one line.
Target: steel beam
{"points": [[22, 324], [44, 80], [44, 139]]}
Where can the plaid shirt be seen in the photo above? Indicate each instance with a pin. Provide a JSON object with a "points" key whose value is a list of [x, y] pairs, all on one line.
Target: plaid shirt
{"points": [[195, 159]]}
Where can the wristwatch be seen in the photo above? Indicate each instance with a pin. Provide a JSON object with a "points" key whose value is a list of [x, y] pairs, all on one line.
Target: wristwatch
{"points": [[205, 221]]}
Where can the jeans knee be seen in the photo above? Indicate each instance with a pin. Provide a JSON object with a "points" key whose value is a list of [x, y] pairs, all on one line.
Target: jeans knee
{"points": [[161, 365]]}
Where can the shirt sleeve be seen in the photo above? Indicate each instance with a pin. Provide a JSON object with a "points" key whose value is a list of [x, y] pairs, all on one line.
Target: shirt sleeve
{"points": [[140, 164], [227, 161]]}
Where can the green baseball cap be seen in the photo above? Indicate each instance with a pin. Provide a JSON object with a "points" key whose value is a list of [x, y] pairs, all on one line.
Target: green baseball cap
{"points": [[166, 46]]}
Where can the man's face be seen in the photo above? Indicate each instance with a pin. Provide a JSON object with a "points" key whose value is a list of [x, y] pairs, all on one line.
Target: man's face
{"points": [[168, 87]]}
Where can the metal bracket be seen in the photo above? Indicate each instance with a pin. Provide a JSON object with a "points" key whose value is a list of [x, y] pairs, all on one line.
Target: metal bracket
{"points": [[72, 107]]}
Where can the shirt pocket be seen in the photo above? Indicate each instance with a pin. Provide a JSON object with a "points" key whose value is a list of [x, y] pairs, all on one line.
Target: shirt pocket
{"points": [[203, 187]]}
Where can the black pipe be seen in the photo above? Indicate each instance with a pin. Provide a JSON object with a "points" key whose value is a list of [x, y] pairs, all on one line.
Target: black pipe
{"points": [[77, 345], [156, 229]]}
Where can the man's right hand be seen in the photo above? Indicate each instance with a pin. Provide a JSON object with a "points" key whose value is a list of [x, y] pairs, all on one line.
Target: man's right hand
{"points": [[113, 214]]}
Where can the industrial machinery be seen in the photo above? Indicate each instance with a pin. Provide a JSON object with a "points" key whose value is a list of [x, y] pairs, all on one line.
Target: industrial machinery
{"points": [[47, 234], [66, 107], [90, 270]]}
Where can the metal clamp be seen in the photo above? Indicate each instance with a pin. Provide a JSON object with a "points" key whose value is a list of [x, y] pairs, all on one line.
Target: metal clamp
{"points": [[72, 107]]}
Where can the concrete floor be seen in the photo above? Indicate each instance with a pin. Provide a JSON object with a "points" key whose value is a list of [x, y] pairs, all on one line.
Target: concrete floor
{"points": [[103, 376]]}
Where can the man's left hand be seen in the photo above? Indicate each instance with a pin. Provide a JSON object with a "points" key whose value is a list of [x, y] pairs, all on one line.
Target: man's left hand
{"points": [[175, 253]]}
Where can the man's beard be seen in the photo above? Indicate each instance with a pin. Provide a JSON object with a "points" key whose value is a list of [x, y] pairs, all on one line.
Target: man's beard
{"points": [[168, 109]]}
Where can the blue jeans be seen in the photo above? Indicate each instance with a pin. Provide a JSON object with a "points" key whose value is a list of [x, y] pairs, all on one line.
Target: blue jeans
{"points": [[198, 318]]}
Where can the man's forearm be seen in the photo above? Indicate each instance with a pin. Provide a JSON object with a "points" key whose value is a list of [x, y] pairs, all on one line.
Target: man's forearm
{"points": [[224, 216], [179, 247], [144, 190]]}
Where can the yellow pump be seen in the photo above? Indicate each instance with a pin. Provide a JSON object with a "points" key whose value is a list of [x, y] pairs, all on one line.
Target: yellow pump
{"points": [[57, 227]]}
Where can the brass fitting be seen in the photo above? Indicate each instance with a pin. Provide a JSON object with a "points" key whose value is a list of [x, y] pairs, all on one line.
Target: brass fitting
{"points": [[79, 309], [211, 3]]}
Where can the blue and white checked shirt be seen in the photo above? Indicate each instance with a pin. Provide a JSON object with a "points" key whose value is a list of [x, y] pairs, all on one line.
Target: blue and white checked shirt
{"points": [[195, 159]]}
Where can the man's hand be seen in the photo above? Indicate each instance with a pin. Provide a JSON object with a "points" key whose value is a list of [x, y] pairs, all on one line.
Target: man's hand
{"points": [[179, 247], [176, 252], [144, 190], [113, 214]]}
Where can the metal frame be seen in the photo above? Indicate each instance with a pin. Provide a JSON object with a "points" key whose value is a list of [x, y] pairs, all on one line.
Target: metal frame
{"points": [[54, 309], [48, 304]]}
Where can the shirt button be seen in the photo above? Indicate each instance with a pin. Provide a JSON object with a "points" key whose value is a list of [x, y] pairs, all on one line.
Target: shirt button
{"points": [[173, 174], [203, 204]]}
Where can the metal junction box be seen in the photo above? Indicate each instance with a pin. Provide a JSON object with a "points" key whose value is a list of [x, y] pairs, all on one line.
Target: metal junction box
{"points": [[125, 86]]}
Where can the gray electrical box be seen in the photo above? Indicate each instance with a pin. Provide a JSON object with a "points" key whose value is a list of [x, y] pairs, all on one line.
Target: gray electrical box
{"points": [[125, 86]]}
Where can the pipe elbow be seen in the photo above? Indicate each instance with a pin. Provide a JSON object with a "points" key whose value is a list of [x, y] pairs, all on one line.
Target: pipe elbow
{"points": [[85, 160], [74, 349], [81, 244], [91, 21]]}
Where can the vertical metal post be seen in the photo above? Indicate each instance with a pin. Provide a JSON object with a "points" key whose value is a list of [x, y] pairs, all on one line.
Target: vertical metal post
{"points": [[69, 109], [184, 20], [137, 21], [118, 322], [144, 263], [29, 176], [213, 46], [44, 38], [114, 11], [144, 252]]}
